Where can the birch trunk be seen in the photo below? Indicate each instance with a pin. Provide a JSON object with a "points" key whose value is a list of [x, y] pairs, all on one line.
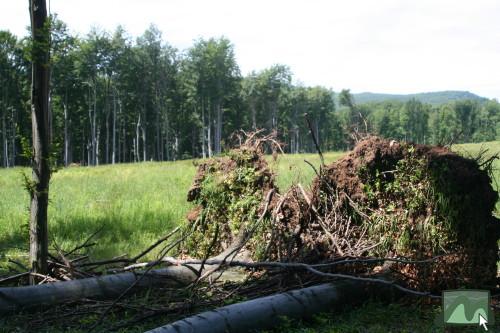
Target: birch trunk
{"points": [[113, 144], [144, 142], [136, 142], [203, 150], [94, 129], [5, 151], [13, 136], [218, 129], [66, 141], [209, 134]]}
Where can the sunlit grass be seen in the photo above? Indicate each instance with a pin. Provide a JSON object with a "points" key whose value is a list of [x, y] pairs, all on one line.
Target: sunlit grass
{"points": [[132, 204]]}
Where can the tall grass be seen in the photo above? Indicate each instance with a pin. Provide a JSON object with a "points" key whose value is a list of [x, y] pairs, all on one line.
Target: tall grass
{"points": [[132, 204]]}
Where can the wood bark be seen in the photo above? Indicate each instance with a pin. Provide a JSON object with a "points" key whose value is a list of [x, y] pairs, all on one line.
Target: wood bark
{"points": [[266, 312], [94, 128], [218, 128], [209, 133], [13, 135], [144, 156], [5, 147], [66, 139], [41, 132], [113, 144], [203, 150], [103, 287]]}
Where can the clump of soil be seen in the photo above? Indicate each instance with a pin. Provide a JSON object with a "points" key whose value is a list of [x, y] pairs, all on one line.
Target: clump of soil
{"points": [[417, 202], [383, 199], [229, 192]]}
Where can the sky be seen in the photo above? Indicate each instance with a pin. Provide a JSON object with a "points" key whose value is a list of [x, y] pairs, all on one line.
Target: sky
{"points": [[385, 46]]}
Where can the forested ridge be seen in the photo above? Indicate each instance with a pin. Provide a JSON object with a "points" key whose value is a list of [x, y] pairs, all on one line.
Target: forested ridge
{"points": [[117, 99]]}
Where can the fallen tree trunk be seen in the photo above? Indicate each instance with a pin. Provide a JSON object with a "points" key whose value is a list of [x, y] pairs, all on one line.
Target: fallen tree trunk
{"points": [[103, 287], [107, 286], [266, 312], [114, 285]]}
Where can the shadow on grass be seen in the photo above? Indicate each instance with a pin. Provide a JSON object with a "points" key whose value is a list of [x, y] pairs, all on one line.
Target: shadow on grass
{"points": [[117, 234], [14, 240]]}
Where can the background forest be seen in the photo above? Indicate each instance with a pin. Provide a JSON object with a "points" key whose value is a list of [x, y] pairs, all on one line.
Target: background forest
{"points": [[115, 99]]}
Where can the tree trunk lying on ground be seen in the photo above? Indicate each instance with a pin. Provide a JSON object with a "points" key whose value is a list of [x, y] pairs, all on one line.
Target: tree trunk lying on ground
{"points": [[266, 312], [105, 287]]}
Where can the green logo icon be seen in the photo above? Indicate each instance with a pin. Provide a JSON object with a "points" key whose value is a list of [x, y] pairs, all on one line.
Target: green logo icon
{"points": [[466, 307]]}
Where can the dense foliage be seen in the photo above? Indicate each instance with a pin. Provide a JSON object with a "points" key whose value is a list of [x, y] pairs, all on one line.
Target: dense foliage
{"points": [[115, 99]]}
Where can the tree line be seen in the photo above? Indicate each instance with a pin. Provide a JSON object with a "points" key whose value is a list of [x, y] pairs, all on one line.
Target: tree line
{"points": [[115, 99]]}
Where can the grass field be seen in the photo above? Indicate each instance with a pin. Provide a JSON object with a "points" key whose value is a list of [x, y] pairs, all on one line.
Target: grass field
{"points": [[134, 204]]}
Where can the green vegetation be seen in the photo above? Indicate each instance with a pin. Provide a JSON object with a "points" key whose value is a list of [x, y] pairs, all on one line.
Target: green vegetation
{"points": [[141, 99], [376, 317], [135, 204]]}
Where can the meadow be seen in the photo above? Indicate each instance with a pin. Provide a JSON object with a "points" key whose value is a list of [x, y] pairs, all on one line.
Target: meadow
{"points": [[130, 205]]}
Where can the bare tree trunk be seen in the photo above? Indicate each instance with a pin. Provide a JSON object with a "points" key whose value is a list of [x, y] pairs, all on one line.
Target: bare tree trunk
{"points": [[203, 150], [218, 128], [297, 141], [89, 153], [13, 136], [106, 157], [124, 149], [5, 155], [113, 148], [66, 141], [209, 133], [94, 129], [143, 128], [176, 147], [274, 113], [254, 115], [136, 142], [107, 114], [41, 131], [89, 143], [157, 126], [167, 135], [264, 313], [97, 146]]}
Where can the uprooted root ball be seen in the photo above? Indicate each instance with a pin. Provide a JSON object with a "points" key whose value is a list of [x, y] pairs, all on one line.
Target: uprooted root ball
{"points": [[229, 193], [383, 199], [418, 202]]}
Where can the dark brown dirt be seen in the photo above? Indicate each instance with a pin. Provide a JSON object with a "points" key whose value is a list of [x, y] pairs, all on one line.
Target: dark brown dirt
{"points": [[333, 220], [460, 182]]}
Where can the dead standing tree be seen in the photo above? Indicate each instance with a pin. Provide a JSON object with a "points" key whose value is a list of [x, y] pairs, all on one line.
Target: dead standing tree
{"points": [[39, 186]]}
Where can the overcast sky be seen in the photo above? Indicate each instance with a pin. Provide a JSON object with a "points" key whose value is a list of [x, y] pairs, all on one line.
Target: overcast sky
{"points": [[390, 46]]}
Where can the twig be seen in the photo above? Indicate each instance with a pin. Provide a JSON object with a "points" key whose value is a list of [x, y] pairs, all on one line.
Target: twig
{"points": [[14, 277], [301, 266], [316, 144], [17, 263], [313, 167], [86, 243], [158, 242], [320, 220]]}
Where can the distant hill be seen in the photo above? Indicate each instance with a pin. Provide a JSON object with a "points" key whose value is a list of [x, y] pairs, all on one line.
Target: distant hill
{"points": [[438, 97]]}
